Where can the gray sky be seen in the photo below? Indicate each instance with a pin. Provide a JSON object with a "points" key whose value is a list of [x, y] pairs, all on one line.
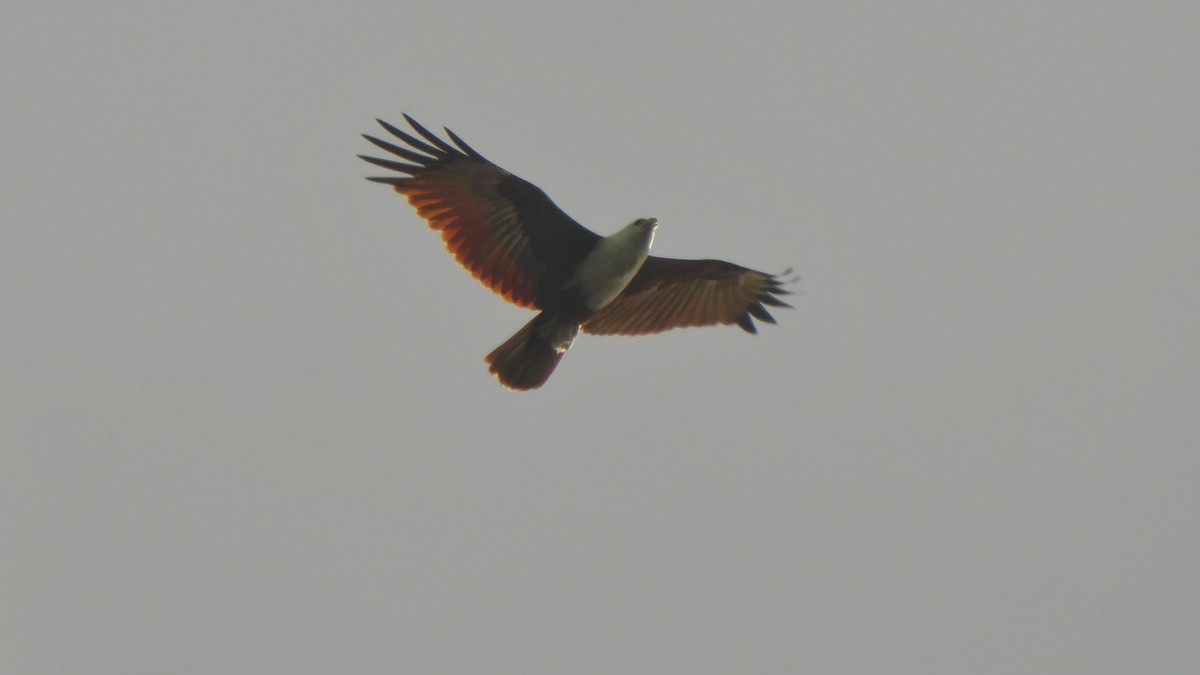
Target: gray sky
{"points": [[247, 426]]}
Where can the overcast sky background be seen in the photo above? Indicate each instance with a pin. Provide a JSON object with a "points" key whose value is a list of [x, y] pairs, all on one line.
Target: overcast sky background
{"points": [[247, 426]]}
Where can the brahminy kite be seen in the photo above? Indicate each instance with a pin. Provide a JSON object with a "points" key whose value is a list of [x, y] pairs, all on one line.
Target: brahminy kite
{"points": [[511, 237]]}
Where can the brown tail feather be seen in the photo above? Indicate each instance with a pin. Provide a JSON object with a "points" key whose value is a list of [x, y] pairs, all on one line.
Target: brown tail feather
{"points": [[526, 359]]}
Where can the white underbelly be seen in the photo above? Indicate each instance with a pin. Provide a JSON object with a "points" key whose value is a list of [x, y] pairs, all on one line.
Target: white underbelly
{"points": [[609, 269], [608, 287]]}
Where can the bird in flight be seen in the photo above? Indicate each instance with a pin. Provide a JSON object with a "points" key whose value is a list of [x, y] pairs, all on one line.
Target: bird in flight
{"points": [[513, 239]]}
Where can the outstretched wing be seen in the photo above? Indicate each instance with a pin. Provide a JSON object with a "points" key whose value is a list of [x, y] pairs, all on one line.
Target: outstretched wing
{"points": [[503, 229], [668, 293]]}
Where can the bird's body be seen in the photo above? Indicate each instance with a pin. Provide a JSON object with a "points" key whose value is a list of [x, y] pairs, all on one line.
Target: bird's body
{"points": [[509, 234], [526, 360], [612, 264]]}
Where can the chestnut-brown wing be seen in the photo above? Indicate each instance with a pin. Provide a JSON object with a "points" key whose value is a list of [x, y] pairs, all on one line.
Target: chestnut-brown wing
{"points": [[501, 228], [667, 293]]}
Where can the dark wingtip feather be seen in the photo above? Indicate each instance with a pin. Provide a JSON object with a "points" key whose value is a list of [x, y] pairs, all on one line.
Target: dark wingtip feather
{"points": [[770, 296], [766, 297], [389, 164], [463, 145], [761, 313], [747, 324], [394, 181], [410, 139], [410, 155], [429, 135]]}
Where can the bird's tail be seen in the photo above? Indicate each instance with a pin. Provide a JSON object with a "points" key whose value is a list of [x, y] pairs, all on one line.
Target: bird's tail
{"points": [[526, 359]]}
